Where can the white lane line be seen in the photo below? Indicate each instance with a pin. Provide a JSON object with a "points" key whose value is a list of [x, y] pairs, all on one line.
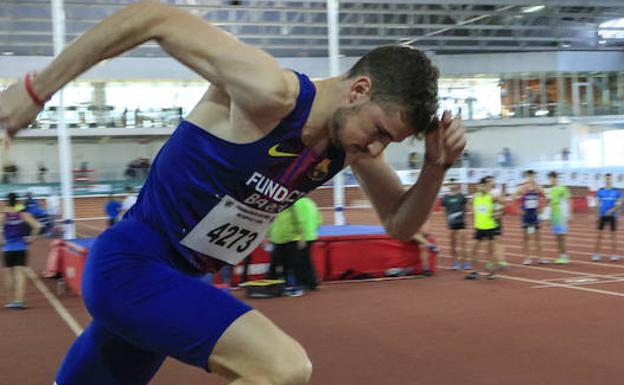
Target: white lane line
{"points": [[548, 285], [589, 289], [56, 304], [560, 285]]}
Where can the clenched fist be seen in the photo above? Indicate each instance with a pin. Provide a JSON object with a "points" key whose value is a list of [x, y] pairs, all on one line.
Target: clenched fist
{"points": [[445, 144], [17, 109]]}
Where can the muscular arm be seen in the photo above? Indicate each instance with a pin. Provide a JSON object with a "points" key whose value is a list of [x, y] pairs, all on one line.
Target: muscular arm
{"points": [[251, 77], [402, 212]]}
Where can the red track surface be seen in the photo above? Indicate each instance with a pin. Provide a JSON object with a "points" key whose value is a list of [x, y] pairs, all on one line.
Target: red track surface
{"points": [[435, 331]]}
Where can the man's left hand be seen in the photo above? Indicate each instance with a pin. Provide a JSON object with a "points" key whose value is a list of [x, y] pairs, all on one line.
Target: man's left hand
{"points": [[446, 144]]}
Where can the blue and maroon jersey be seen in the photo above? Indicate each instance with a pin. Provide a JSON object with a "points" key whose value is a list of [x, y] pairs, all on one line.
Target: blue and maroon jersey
{"points": [[530, 202], [195, 169], [15, 228]]}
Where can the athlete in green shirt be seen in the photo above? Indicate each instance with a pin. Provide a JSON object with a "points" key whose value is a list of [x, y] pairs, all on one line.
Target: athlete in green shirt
{"points": [[560, 214]]}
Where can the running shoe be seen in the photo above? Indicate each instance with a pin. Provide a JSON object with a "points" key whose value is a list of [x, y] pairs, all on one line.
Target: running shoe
{"points": [[503, 265], [614, 258], [595, 258], [467, 266], [16, 305], [472, 275], [434, 248], [293, 292], [456, 265], [544, 261], [562, 260], [19, 305], [527, 261], [491, 276]]}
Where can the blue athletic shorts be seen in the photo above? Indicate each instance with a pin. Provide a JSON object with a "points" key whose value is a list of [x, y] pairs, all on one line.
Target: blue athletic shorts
{"points": [[559, 229], [530, 219], [143, 309]]}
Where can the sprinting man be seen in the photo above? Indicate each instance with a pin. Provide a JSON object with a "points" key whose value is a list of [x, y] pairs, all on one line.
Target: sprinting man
{"points": [[260, 138], [485, 229], [609, 203], [529, 195], [454, 203], [560, 215]]}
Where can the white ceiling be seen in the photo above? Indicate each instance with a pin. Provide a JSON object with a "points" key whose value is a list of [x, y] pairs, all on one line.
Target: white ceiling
{"points": [[299, 28]]}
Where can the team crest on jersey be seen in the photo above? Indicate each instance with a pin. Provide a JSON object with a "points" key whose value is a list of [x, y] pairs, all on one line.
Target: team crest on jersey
{"points": [[320, 171]]}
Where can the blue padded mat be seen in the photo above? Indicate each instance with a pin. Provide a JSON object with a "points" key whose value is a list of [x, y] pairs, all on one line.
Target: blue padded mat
{"points": [[324, 231], [333, 231]]}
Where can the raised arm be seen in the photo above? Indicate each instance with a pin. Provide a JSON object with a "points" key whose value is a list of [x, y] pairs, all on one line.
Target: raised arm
{"points": [[251, 77], [403, 211]]}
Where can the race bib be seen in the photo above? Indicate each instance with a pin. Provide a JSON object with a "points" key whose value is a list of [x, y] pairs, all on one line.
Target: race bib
{"points": [[531, 204], [482, 209], [229, 232]]}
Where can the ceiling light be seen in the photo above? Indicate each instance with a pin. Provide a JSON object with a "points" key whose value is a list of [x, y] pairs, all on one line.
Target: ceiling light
{"points": [[7, 53], [565, 45], [534, 8], [602, 42], [612, 29]]}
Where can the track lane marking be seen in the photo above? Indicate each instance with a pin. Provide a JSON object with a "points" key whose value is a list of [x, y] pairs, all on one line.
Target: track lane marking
{"points": [[56, 304]]}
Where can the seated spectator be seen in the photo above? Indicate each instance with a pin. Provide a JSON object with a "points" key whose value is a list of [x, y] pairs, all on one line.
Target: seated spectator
{"points": [[43, 170], [9, 173]]}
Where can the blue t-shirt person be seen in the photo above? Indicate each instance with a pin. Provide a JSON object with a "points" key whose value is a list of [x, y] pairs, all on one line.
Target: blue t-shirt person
{"points": [[608, 199], [112, 209]]}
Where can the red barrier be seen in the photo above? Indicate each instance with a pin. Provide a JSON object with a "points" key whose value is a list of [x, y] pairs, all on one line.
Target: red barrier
{"points": [[333, 258], [74, 258], [336, 257]]}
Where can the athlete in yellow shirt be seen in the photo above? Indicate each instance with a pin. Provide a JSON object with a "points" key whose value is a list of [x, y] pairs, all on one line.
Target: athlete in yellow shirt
{"points": [[485, 228]]}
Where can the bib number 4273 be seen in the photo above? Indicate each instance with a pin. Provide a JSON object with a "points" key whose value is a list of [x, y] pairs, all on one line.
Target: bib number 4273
{"points": [[232, 236], [229, 232]]}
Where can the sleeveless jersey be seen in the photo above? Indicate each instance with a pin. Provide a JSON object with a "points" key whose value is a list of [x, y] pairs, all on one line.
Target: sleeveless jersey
{"points": [[483, 208], [530, 202], [205, 194], [14, 231]]}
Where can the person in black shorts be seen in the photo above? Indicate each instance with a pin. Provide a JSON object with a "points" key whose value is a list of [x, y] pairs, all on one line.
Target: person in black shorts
{"points": [[16, 226], [499, 196], [609, 204], [485, 228], [454, 203]]}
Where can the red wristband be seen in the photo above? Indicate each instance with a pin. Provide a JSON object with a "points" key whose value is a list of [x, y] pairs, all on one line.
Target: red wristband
{"points": [[31, 92]]}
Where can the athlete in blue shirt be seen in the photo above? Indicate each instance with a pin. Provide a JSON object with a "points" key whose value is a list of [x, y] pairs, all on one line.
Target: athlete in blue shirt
{"points": [[112, 208], [261, 137], [609, 203]]}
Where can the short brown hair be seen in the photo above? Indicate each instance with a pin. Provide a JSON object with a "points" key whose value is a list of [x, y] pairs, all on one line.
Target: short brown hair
{"points": [[406, 77]]}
